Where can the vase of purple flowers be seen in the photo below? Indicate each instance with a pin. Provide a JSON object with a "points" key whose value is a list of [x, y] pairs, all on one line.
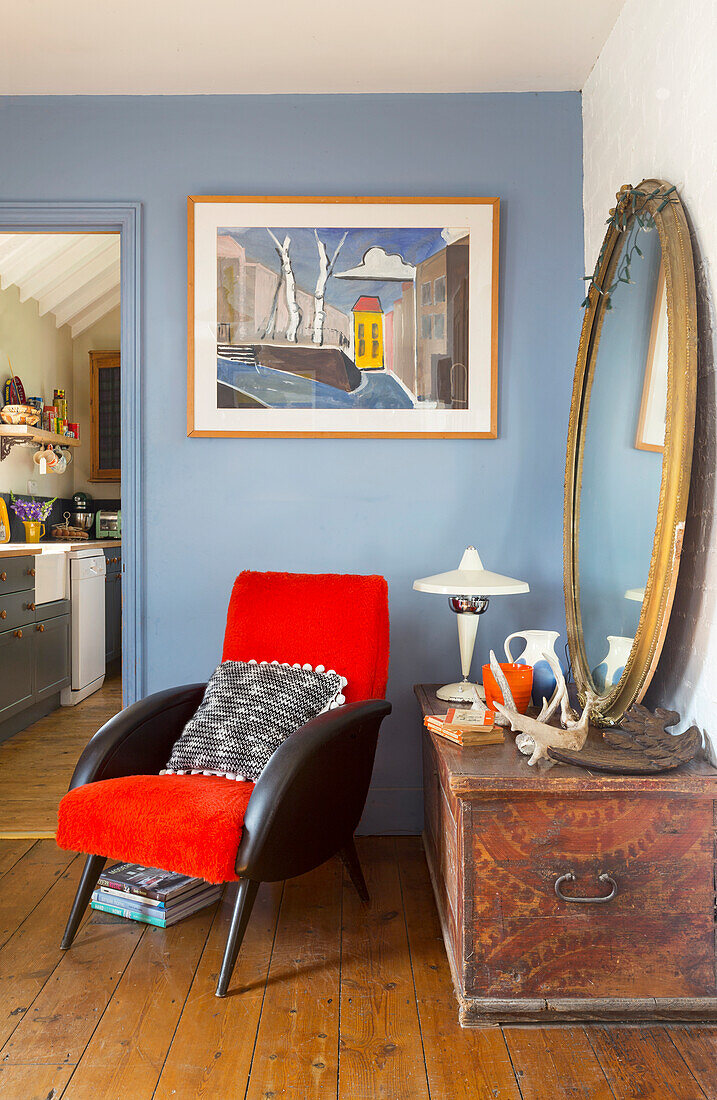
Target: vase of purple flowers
{"points": [[33, 513]]}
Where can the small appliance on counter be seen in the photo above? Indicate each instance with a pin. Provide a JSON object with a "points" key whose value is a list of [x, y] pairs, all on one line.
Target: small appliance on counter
{"points": [[83, 516], [108, 524]]}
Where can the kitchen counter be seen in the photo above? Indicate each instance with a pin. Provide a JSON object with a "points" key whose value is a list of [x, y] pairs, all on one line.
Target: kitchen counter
{"points": [[18, 549]]}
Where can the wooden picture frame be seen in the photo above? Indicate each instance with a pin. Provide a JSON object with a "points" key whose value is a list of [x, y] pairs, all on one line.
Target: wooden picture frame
{"points": [[101, 361], [249, 375]]}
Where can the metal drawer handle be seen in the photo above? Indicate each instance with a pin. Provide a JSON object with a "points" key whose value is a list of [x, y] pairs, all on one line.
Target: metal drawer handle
{"points": [[30, 606], [18, 634], [3, 614], [3, 576], [29, 572], [586, 901]]}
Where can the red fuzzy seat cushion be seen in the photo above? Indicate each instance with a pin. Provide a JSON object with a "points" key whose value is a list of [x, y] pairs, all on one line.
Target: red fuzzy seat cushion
{"points": [[191, 824]]}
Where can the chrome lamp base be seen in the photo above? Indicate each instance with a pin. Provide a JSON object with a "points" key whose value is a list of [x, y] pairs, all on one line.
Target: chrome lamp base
{"points": [[467, 609]]}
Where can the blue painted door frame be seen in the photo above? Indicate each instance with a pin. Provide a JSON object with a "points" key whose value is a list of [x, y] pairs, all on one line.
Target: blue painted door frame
{"points": [[124, 218]]}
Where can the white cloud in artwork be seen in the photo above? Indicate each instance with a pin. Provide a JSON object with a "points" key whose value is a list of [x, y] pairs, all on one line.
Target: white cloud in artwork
{"points": [[450, 236], [381, 265]]}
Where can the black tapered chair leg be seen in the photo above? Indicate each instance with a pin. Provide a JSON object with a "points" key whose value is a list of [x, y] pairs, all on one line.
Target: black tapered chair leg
{"points": [[92, 871], [350, 859], [246, 895]]}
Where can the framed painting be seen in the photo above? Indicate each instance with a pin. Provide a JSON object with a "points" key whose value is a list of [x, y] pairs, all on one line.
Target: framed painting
{"points": [[342, 317]]}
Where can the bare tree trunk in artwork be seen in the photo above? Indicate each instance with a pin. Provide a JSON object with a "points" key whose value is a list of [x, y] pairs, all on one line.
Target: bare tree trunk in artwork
{"points": [[271, 323], [291, 303], [326, 266]]}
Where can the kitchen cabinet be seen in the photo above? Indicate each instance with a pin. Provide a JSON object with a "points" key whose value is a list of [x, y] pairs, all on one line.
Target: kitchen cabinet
{"points": [[17, 676], [113, 605], [34, 645], [17, 574], [51, 656]]}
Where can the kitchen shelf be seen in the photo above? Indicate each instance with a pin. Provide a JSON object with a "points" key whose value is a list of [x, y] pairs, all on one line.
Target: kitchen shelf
{"points": [[10, 434]]}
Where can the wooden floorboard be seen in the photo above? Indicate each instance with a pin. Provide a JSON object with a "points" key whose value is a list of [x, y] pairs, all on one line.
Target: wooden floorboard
{"points": [[698, 1047], [211, 1053], [297, 1046], [27, 882], [331, 1000], [556, 1062], [381, 1050], [61, 1022], [461, 1063], [126, 1053], [643, 1062], [33, 1082], [30, 956], [36, 765]]}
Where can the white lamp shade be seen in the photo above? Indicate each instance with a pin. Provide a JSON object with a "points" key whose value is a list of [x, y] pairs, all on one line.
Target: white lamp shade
{"points": [[471, 579]]}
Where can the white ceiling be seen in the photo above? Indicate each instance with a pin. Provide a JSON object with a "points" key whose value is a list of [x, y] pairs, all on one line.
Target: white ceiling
{"points": [[73, 276], [169, 47]]}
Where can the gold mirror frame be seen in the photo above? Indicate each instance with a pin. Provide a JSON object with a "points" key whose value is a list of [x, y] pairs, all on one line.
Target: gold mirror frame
{"points": [[678, 263]]}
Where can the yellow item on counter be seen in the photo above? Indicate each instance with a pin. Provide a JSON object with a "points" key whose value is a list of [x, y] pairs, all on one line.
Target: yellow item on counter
{"points": [[4, 522], [34, 530]]}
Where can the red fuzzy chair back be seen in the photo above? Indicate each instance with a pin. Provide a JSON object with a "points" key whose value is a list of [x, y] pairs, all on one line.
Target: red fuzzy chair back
{"points": [[339, 621]]}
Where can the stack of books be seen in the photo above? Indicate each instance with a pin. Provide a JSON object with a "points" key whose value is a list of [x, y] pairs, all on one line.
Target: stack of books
{"points": [[468, 727], [151, 895]]}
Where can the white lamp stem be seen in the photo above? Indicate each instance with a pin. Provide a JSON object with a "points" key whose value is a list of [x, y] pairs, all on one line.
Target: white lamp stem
{"points": [[467, 629]]}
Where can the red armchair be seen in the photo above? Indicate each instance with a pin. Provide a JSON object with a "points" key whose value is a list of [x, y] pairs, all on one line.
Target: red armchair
{"points": [[307, 803]]}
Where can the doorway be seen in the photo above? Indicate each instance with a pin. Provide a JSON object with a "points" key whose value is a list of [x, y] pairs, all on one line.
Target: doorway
{"points": [[76, 265]]}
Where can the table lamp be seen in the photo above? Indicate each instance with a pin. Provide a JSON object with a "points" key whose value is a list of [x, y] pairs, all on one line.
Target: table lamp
{"points": [[468, 588]]}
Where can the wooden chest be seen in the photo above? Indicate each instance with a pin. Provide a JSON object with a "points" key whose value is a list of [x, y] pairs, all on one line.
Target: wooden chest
{"points": [[499, 835]]}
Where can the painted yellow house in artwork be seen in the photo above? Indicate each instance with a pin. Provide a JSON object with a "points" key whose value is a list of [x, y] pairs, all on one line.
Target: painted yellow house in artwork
{"points": [[368, 333]]}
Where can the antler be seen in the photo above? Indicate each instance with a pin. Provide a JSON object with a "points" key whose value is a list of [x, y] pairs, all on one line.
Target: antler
{"points": [[536, 736]]}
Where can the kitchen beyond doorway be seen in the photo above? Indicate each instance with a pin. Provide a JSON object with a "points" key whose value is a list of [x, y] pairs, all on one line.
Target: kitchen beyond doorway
{"points": [[60, 341], [124, 220]]}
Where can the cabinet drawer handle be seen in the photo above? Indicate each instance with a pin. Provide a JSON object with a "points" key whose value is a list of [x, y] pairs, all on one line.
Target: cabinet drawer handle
{"points": [[586, 901], [18, 634], [29, 607], [40, 627], [3, 614], [3, 576], [29, 572]]}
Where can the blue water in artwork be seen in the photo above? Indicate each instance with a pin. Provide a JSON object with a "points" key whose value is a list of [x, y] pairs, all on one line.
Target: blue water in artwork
{"points": [[282, 390]]}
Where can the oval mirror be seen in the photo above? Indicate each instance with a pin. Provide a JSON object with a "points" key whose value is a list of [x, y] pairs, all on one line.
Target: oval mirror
{"points": [[630, 448]]}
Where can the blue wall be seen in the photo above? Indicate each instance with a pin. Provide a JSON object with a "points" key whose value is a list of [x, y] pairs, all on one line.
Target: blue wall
{"points": [[404, 508]]}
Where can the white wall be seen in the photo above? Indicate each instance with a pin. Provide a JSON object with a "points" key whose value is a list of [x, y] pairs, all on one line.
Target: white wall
{"points": [[102, 336], [41, 356], [650, 110]]}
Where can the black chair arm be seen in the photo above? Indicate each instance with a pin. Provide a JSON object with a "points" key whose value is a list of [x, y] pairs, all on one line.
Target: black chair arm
{"points": [[310, 796], [138, 740]]}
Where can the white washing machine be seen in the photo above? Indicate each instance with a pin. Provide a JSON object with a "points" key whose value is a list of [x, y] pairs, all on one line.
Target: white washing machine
{"points": [[87, 624]]}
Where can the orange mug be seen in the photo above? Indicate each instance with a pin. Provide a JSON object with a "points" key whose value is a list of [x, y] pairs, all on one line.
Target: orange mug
{"points": [[520, 682]]}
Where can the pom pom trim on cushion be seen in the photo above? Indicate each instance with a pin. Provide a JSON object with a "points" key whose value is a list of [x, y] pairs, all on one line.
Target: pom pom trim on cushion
{"points": [[337, 700]]}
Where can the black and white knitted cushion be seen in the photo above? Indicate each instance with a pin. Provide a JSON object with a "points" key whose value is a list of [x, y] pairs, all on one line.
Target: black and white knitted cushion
{"points": [[247, 711]]}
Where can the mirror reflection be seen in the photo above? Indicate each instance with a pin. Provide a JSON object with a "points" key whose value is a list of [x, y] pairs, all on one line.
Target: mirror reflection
{"points": [[622, 458]]}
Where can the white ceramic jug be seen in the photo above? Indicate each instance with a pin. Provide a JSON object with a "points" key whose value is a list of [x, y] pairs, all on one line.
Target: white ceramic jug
{"points": [[612, 666], [537, 642]]}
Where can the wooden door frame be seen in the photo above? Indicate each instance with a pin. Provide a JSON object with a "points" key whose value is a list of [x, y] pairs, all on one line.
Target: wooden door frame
{"points": [[124, 218]]}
